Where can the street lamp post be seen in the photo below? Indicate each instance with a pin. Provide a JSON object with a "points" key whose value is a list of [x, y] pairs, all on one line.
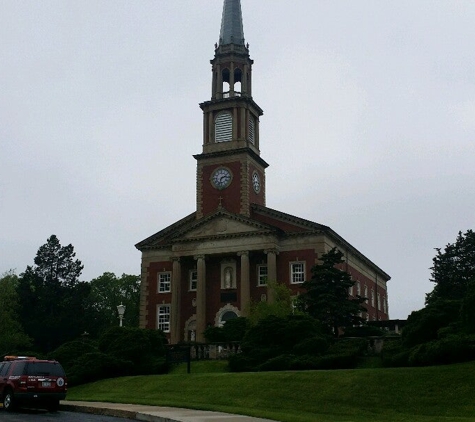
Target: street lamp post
{"points": [[121, 311]]}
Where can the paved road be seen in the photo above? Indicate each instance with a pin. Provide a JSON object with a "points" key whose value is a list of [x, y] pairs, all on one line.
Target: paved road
{"points": [[30, 415]]}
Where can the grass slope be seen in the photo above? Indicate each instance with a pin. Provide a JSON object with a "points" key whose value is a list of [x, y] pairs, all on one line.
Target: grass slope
{"points": [[431, 394]]}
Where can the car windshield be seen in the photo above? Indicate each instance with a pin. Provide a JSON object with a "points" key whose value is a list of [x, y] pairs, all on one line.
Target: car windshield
{"points": [[44, 369]]}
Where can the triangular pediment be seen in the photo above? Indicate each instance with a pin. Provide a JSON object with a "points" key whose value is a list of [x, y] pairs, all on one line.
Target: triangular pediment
{"points": [[222, 224]]}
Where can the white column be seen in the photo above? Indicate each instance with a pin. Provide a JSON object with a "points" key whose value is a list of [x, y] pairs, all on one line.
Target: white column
{"points": [[175, 305], [271, 272], [245, 283], [200, 298]]}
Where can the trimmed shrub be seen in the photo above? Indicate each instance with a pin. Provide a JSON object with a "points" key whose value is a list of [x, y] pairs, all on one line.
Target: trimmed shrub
{"points": [[144, 348], [279, 363], [241, 363], [314, 346], [448, 350], [68, 353], [423, 325], [95, 366]]}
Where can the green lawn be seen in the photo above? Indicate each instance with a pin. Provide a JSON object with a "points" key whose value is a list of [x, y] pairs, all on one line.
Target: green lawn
{"points": [[431, 394]]}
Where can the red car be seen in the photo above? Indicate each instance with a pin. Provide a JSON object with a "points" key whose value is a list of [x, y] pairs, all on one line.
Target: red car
{"points": [[32, 382]]}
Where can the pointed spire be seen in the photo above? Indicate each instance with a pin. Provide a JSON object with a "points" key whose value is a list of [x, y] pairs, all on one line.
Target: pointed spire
{"points": [[231, 24]]}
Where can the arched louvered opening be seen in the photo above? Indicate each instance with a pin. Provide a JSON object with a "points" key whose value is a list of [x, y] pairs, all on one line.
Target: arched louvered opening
{"points": [[223, 127], [251, 130], [237, 82], [226, 82]]}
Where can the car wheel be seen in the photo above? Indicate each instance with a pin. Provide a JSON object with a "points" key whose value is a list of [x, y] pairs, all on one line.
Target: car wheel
{"points": [[8, 401], [53, 406]]}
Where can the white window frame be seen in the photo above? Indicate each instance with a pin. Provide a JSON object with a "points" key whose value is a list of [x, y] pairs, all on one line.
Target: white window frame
{"points": [[164, 282], [379, 301], [385, 305], [163, 318], [297, 272], [193, 278], [372, 298], [358, 288], [262, 275], [366, 293]]}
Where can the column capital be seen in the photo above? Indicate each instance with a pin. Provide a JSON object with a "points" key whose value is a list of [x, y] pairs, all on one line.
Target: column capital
{"points": [[175, 258], [202, 256], [275, 251], [241, 253]]}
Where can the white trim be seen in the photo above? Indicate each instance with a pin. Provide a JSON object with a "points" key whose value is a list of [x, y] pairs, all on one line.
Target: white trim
{"points": [[164, 285], [226, 308], [297, 277], [163, 319], [262, 278], [192, 280]]}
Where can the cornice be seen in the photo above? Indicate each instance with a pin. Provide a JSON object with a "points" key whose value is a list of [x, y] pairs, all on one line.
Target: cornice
{"points": [[231, 152]]}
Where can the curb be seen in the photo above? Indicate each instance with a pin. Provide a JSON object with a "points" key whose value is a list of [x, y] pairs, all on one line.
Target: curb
{"points": [[102, 411]]}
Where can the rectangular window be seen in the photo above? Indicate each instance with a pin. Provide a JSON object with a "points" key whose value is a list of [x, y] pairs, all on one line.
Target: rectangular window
{"points": [[350, 291], [385, 306], [164, 282], [358, 288], [163, 318], [372, 298], [297, 272], [193, 280], [379, 301], [261, 275]]}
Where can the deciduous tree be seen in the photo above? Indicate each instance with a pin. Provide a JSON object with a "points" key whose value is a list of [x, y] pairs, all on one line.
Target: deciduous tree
{"points": [[107, 292], [12, 335]]}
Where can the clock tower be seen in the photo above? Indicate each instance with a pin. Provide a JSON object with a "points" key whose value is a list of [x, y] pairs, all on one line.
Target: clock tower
{"points": [[230, 171], [208, 267]]}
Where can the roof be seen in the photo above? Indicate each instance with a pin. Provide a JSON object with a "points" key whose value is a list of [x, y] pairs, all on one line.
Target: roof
{"points": [[262, 221], [231, 24]]}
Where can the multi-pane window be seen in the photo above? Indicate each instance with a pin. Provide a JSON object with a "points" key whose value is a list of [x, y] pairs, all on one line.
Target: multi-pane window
{"points": [[261, 275], [164, 282], [163, 318], [193, 279], [350, 291], [297, 272], [358, 288], [379, 301], [366, 293], [372, 298], [385, 306]]}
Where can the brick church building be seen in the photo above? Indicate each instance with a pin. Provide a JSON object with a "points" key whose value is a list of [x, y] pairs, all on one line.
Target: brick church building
{"points": [[207, 267]]}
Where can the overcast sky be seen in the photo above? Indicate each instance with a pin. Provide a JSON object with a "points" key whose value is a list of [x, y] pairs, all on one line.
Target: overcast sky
{"points": [[368, 126]]}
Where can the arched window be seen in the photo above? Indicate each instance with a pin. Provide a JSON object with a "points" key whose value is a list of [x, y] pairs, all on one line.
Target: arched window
{"points": [[227, 316], [223, 127]]}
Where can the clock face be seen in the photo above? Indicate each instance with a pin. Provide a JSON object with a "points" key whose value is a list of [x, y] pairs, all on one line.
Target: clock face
{"points": [[256, 182], [221, 178]]}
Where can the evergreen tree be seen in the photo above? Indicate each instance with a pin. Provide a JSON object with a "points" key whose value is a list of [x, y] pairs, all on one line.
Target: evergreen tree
{"points": [[326, 295], [454, 269], [53, 307]]}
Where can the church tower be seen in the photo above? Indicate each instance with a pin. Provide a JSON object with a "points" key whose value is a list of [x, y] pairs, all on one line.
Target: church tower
{"points": [[230, 171], [208, 267]]}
